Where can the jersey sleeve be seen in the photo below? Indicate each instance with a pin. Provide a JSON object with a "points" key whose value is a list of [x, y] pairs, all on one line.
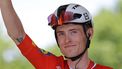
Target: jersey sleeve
{"points": [[39, 58]]}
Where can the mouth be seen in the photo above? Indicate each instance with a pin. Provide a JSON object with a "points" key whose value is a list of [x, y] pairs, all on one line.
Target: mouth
{"points": [[68, 46]]}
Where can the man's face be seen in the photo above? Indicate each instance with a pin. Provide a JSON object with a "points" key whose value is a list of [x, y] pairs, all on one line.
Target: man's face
{"points": [[71, 39]]}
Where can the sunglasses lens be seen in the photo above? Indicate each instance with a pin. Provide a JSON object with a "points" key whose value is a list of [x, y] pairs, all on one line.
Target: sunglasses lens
{"points": [[63, 18]]}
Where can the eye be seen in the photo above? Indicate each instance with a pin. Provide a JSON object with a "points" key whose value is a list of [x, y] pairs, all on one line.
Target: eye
{"points": [[73, 32], [59, 34]]}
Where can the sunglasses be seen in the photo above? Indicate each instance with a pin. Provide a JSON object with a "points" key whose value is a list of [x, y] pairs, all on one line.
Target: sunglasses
{"points": [[64, 17]]}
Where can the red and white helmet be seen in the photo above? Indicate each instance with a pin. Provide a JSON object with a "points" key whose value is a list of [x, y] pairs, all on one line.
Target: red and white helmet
{"points": [[70, 13]]}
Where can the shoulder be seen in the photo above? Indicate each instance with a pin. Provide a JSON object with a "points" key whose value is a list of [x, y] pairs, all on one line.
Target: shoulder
{"points": [[98, 66]]}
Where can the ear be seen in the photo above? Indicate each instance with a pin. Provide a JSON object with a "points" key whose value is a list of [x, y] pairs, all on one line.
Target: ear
{"points": [[90, 32]]}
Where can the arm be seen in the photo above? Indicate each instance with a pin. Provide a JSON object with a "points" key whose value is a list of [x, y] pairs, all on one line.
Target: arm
{"points": [[17, 33], [12, 22]]}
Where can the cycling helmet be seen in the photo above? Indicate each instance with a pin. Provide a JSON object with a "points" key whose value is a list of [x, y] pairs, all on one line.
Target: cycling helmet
{"points": [[70, 13]]}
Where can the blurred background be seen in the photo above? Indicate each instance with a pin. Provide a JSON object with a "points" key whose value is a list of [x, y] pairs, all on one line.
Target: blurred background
{"points": [[106, 46]]}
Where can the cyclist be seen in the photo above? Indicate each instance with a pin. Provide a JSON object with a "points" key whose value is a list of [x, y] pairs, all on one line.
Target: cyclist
{"points": [[73, 28]]}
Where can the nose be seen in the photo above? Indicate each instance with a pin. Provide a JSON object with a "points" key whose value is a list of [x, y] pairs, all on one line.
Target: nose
{"points": [[67, 38]]}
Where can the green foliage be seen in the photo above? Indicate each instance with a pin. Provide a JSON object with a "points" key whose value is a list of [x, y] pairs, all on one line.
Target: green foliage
{"points": [[107, 40], [119, 6], [18, 63]]}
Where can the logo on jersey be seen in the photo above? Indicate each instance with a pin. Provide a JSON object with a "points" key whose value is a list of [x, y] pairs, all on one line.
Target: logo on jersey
{"points": [[45, 52]]}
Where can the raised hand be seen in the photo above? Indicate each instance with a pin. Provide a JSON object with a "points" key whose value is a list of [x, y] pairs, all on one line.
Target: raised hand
{"points": [[12, 22]]}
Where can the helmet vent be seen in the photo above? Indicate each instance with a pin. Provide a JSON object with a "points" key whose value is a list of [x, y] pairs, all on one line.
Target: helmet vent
{"points": [[76, 15]]}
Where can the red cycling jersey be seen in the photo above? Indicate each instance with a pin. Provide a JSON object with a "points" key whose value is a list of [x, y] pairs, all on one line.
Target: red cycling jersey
{"points": [[41, 59]]}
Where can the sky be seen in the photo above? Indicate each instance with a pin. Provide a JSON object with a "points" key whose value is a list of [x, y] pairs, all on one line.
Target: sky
{"points": [[33, 15]]}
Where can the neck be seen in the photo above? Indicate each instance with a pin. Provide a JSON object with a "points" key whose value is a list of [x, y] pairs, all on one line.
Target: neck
{"points": [[81, 63]]}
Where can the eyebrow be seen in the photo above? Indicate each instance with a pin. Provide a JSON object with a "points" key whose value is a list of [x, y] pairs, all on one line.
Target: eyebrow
{"points": [[63, 31], [59, 31], [72, 29]]}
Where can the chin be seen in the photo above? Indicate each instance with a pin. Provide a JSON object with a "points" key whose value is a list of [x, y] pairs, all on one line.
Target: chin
{"points": [[69, 55]]}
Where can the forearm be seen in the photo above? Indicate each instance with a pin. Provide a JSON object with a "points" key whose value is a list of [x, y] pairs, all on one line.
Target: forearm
{"points": [[11, 20]]}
